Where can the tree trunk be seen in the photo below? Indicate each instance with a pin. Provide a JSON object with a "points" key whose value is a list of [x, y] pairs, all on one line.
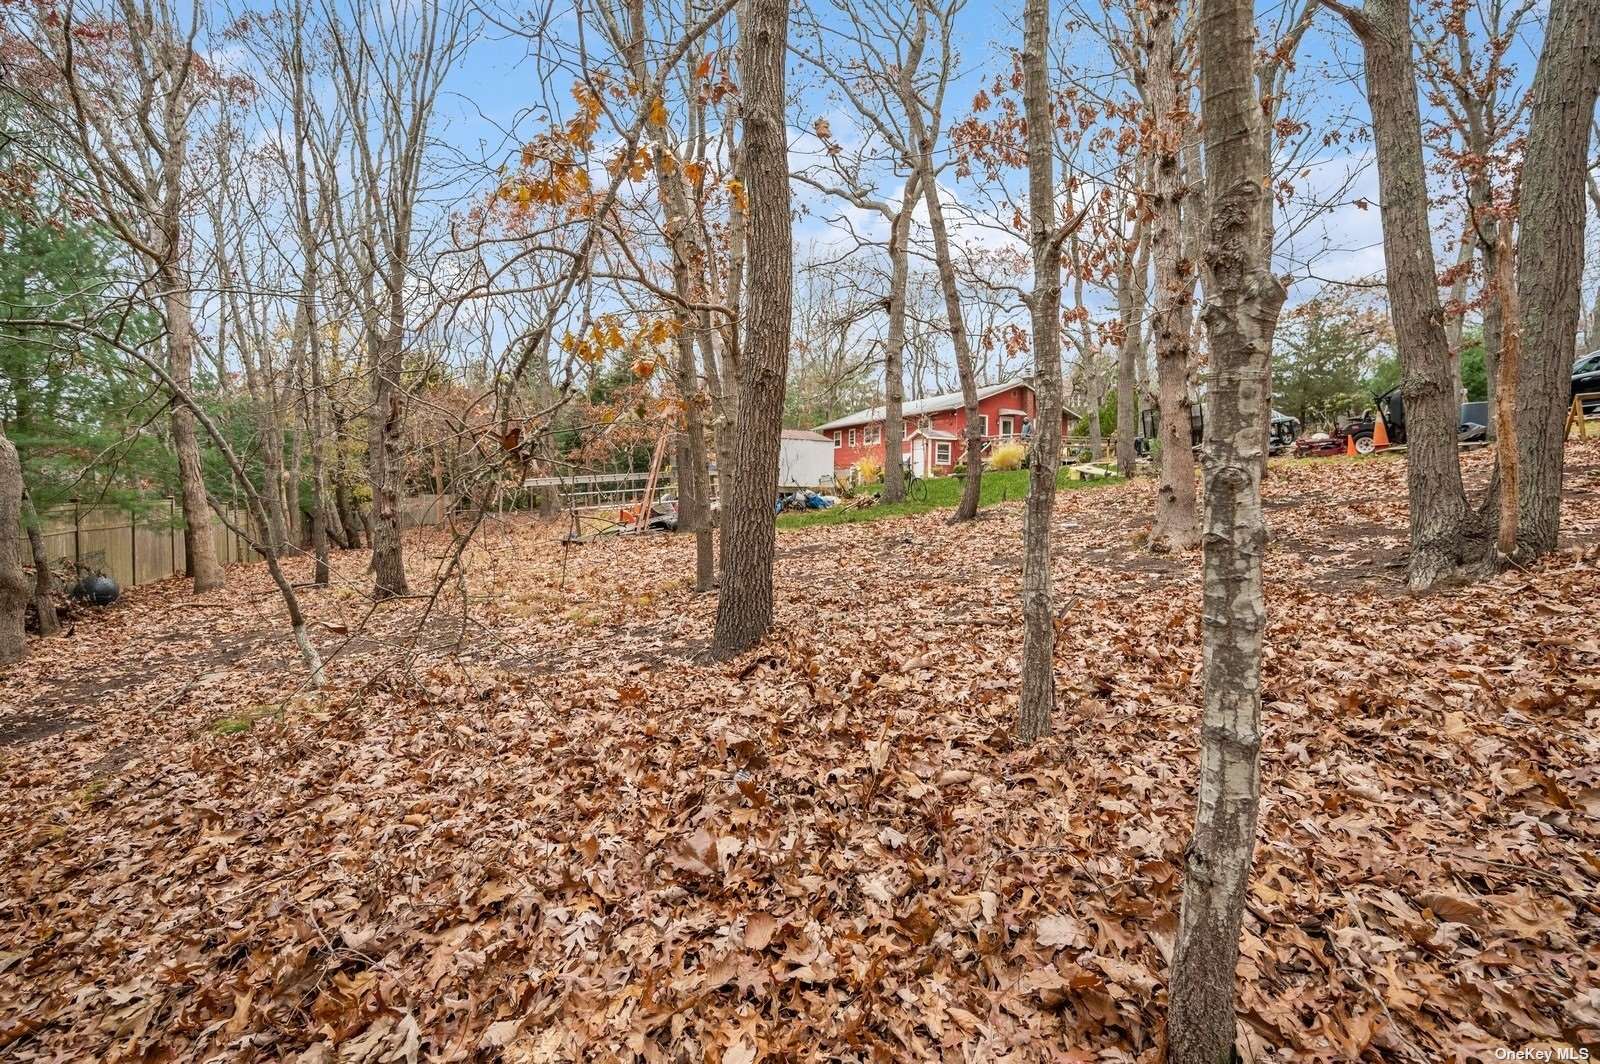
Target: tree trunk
{"points": [[386, 469], [548, 496], [725, 386], [1038, 622], [200, 548], [744, 607], [44, 603], [1493, 250], [13, 584], [1132, 291], [922, 163], [894, 375], [687, 261], [1176, 527], [1130, 306], [1243, 299], [968, 507], [1442, 533], [1506, 443], [693, 507], [1454, 317], [1550, 262], [350, 515], [322, 511]]}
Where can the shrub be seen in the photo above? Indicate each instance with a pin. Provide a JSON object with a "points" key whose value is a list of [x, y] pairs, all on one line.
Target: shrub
{"points": [[1007, 456], [868, 470]]}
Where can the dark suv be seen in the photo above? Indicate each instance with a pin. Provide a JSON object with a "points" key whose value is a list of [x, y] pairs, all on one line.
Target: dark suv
{"points": [[1585, 379]]}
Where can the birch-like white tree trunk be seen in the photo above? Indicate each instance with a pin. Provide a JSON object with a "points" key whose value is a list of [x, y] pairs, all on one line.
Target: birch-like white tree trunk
{"points": [[1243, 300]]}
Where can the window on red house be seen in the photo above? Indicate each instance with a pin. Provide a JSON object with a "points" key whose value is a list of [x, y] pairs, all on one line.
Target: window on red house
{"points": [[941, 454], [852, 437], [873, 433], [983, 424], [838, 438]]}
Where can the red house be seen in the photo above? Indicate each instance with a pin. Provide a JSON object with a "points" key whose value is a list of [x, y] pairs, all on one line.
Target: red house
{"points": [[936, 428]]}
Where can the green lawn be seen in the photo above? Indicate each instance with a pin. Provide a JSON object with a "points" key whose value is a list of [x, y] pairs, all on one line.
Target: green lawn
{"points": [[943, 494]]}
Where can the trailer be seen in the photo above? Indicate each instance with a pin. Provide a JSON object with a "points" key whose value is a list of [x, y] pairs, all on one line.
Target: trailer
{"points": [[805, 459]]}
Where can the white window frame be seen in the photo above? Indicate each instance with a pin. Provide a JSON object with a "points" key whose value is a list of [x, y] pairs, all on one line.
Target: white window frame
{"points": [[852, 437], [838, 438], [983, 420], [941, 452], [1008, 426]]}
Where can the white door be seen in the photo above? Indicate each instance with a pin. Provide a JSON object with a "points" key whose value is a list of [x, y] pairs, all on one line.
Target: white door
{"points": [[919, 457]]}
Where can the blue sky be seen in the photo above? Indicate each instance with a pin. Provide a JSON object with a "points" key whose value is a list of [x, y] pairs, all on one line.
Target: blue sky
{"points": [[516, 77]]}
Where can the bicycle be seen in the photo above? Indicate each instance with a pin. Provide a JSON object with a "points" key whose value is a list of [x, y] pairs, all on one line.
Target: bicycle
{"points": [[916, 487]]}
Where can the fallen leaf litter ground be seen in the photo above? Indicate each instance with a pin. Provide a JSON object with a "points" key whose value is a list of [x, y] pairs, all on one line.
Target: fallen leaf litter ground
{"points": [[541, 826]]}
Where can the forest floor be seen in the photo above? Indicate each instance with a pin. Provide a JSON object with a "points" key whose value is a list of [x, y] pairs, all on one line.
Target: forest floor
{"points": [[538, 825]]}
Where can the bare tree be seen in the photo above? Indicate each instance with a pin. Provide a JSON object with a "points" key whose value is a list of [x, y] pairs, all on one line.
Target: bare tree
{"points": [[302, 179], [628, 30], [1044, 305], [897, 86], [389, 66], [1483, 115], [1443, 529], [1243, 299], [744, 608], [924, 118], [1131, 293], [894, 371], [1177, 525], [127, 89], [844, 180]]}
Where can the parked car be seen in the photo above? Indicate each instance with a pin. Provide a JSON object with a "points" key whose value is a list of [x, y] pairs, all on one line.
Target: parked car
{"points": [[1585, 379], [1280, 436]]}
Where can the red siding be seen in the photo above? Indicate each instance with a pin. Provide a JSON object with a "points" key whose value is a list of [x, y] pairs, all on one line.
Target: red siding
{"points": [[954, 421]]}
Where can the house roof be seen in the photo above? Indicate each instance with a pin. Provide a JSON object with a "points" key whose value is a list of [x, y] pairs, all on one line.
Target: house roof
{"points": [[936, 434], [804, 434], [933, 404]]}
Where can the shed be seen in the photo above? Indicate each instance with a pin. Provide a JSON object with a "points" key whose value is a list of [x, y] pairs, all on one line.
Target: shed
{"points": [[805, 459]]}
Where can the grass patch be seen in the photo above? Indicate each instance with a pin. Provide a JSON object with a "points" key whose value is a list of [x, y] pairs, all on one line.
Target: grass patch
{"points": [[243, 722], [944, 493]]}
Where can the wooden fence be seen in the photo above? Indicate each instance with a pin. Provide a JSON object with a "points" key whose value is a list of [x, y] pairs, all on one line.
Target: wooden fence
{"points": [[141, 550], [591, 491]]}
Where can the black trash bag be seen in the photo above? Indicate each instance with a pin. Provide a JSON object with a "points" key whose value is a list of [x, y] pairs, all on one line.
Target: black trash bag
{"points": [[96, 590]]}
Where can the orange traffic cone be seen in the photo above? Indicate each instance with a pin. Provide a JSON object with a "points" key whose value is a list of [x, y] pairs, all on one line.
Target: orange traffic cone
{"points": [[1380, 434], [1350, 446]]}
